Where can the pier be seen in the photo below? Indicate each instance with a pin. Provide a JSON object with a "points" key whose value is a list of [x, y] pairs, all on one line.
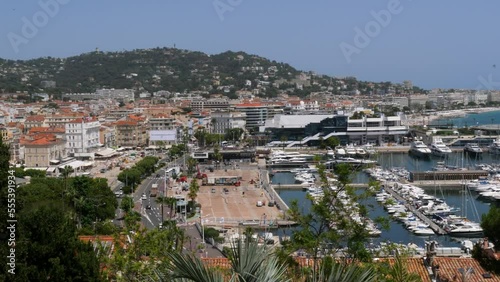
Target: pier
{"points": [[421, 216], [448, 175]]}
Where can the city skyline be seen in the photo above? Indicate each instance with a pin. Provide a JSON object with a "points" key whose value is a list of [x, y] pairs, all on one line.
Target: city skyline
{"points": [[448, 45]]}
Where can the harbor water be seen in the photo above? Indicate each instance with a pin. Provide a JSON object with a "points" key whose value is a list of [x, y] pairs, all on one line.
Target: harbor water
{"points": [[470, 205]]}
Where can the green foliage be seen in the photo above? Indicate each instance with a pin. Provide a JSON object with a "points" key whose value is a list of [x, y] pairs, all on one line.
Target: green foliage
{"points": [[33, 173], [127, 204], [194, 188], [249, 262], [234, 134], [47, 248], [490, 223]]}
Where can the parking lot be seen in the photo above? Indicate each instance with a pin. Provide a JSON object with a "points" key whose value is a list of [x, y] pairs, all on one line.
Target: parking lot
{"points": [[230, 204]]}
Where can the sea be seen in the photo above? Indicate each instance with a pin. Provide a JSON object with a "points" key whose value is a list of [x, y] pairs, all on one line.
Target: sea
{"points": [[470, 205], [470, 119]]}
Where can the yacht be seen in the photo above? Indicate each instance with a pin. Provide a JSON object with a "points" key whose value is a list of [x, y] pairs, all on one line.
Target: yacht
{"points": [[495, 147], [473, 148], [369, 149], [464, 229], [340, 152], [439, 149], [330, 153], [360, 152], [423, 231], [350, 150], [418, 148]]}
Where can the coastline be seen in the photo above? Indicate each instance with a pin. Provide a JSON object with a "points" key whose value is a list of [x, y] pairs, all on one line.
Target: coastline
{"points": [[420, 119]]}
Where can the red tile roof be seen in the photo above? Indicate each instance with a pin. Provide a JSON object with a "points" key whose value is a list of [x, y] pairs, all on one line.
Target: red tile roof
{"points": [[250, 105], [449, 270], [35, 118], [41, 129], [41, 139], [126, 122]]}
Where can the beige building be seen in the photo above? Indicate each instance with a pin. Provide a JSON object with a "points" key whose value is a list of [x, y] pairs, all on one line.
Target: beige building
{"points": [[33, 121], [161, 122], [131, 133], [40, 149]]}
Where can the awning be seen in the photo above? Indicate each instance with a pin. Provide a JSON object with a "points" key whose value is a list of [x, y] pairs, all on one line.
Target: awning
{"points": [[36, 168], [55, 161], [51, 169], [73, 165], [105, 153]]}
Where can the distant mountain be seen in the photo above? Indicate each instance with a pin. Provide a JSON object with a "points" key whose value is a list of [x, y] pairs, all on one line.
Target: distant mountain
{"points": [[168, 69]]}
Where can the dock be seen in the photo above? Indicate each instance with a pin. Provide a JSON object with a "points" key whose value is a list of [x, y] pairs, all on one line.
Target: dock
{"points": [[448, 175], [302, 187], [421, 216]]}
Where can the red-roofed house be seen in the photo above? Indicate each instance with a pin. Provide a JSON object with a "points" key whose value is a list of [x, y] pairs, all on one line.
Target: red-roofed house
{"points": [[40, 148], [33, 121], [131, 133]]}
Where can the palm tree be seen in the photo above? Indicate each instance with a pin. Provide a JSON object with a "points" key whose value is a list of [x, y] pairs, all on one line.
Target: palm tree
{"points": [[341, 272], [249, 262], [161, 200], [66, 171], [398, 272]]}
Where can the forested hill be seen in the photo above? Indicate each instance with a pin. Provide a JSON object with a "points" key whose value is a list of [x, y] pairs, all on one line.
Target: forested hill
{"points": [[168, 69]]}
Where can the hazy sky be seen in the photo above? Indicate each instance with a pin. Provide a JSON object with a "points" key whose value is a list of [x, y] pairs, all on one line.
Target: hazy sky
{"points": [[450, 44]]}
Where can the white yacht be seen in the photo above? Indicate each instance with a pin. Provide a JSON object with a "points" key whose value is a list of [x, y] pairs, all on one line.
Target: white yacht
{"points": [[495, 147], [439, 149], [360, 152], [340, 152], [418, 148], [473, 148], [464, 229], [330, 153], [350, 150], [369, 149]]}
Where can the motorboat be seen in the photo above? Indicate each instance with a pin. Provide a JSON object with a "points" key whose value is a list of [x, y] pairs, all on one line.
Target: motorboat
{"points": [[473, 148], [360, 152], [330, 153], [495, 147], [464, 229], [439, 149], [424, 231], [340, 152], [350, 150], [419, 148], [369, 149]]}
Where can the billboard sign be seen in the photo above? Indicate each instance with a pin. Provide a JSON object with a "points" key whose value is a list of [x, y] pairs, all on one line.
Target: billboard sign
{"points": [[162, 135]]}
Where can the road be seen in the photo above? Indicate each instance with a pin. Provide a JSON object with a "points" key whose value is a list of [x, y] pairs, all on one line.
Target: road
{"points": [[151, 218]]}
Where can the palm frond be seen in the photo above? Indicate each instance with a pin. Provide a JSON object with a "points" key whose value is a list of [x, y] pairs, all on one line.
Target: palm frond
{"points": [[189, 268], [348, 273]]}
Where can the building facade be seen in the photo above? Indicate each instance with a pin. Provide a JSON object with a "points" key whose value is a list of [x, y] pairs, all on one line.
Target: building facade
{"points": [[222, 121], [198, 105], [131, 133], [82, 137], [309, 130], [161, 122], [40, 149]]}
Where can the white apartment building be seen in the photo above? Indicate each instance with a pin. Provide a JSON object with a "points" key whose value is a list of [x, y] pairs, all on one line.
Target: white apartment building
{"points": [[82, 137], [222, 121]]}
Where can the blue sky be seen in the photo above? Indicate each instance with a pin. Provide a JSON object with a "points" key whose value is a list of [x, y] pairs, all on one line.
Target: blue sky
{"points": [[447, 44]]}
